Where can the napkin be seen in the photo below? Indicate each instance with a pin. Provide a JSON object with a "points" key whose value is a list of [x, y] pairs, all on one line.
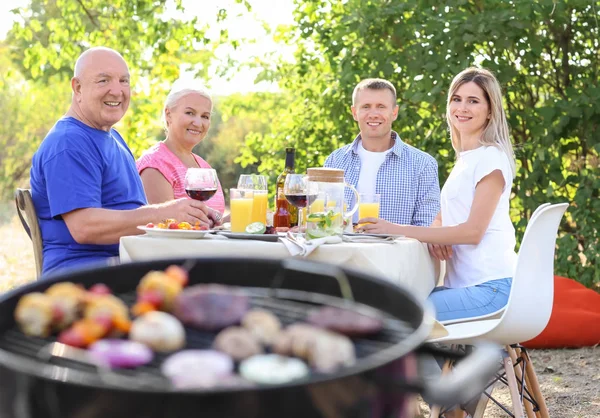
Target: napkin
{"points": [[302, 248]]}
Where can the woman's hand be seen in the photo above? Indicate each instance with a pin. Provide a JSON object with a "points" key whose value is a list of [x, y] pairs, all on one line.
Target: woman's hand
{"points": [[439, 251], [377, 226]]}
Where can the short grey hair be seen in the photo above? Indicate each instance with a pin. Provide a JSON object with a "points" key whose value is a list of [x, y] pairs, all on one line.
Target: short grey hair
{"points": [[182, 88], [373, 84]]}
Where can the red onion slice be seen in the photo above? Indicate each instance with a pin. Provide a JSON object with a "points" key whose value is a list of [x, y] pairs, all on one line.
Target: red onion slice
{"points": [[121, 353]]}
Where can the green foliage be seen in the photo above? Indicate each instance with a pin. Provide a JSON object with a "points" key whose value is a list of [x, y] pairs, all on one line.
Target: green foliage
{"points": [[28, 111], [247, 124], [545, 54], [45, 44], [56, 32]]}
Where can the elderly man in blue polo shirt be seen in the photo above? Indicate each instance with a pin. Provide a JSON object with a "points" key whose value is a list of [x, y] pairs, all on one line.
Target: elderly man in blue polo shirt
{"points": [[377, 161]]}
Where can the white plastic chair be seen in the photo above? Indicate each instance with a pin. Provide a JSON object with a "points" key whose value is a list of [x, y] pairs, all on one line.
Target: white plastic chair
{"points": [[497, 314], [528, 309]]}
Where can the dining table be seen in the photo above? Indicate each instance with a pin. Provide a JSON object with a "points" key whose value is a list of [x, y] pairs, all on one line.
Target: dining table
{"points": [[402, 261]]}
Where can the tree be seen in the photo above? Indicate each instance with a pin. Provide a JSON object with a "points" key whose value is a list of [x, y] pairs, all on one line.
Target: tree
{"points": [[28, 110], [545, 53], [55, 32], [248, 123], [51, 34]]}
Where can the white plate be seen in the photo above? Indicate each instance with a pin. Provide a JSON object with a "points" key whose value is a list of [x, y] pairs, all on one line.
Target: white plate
{"points": [[256, 237], [364, 234], [173, 233]]}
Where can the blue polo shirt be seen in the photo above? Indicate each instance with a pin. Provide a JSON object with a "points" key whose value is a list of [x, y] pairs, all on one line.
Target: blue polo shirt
{"points": [[79, 167]]}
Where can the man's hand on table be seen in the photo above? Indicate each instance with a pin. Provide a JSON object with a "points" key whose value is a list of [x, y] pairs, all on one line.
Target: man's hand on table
{"points": [[189, 210]]}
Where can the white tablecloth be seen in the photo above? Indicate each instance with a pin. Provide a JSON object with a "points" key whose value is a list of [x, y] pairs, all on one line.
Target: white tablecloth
{"points": [[405, 262]]}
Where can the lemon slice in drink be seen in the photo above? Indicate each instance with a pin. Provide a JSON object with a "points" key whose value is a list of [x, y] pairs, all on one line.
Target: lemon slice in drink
{"points": [[256, 228], [316, 217]]}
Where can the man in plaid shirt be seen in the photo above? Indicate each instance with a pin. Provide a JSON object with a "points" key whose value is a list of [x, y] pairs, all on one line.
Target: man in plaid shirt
{"points": [[377, 161]]}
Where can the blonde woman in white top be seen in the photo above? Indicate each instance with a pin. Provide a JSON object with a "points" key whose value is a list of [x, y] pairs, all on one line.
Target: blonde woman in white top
{"points": [[473, 231]]}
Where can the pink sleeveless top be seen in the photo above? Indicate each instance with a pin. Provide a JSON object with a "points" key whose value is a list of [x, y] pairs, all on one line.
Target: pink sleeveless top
{"points": [[162, 159]]}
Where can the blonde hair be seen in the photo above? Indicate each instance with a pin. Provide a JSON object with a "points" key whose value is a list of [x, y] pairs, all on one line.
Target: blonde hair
{"points": [[496, 131], [182, 88]]}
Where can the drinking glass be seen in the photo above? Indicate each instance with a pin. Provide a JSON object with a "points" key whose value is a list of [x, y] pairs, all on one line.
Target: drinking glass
{"points": [[240, 204], [369, 205], [258, 184], [252, 182], [201, 183], [300, 193]]}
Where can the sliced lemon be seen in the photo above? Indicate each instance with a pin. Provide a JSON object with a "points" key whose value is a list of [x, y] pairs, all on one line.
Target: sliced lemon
{"points": [[316, 217], [315, 220], [256, 228]]}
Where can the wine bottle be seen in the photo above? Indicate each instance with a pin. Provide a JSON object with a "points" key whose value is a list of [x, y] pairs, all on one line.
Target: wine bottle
{"points": [[285, 215]]}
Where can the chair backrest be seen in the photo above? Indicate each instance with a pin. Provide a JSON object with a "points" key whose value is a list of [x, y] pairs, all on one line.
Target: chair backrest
{"points": [[29, 219], [530, 303], [537, 210], [493, 315]]}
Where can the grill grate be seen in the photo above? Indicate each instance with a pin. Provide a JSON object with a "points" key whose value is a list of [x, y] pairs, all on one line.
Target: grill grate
{"points": [[288, 311]]}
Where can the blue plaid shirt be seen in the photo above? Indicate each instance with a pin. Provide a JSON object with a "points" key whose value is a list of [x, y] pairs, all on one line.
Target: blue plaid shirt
{"points": [[407, 182]]}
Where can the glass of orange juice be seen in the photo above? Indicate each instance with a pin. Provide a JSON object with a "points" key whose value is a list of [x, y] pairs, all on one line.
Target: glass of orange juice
{"points": [[241, 205], [258, 184], [369, 205]]}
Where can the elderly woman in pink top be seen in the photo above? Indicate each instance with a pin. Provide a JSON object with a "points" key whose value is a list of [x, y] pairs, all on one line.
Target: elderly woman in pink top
{"points": [[186, 114]]}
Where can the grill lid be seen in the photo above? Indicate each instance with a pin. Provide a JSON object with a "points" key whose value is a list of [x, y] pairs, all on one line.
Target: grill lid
{"points": [[46, 358]]}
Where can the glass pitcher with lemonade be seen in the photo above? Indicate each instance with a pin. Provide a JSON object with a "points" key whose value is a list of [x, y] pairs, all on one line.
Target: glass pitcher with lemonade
{"points": [[327, 213]]}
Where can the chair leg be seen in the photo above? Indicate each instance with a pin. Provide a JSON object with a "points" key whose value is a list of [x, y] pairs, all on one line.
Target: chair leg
{"points": [[520, 378], [533, 383], [513, 388], [436, 410], [482, 404], [538, 414]]}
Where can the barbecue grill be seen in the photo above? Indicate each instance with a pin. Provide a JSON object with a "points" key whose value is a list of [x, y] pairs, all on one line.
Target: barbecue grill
{"points": [[42, 378]]}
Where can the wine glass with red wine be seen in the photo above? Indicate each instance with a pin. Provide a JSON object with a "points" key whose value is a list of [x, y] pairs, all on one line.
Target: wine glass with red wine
{"points": [[300, 193], [201, 183]]}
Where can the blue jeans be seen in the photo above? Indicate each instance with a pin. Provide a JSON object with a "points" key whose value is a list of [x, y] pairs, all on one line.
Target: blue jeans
{"points": [[467, 302]]}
